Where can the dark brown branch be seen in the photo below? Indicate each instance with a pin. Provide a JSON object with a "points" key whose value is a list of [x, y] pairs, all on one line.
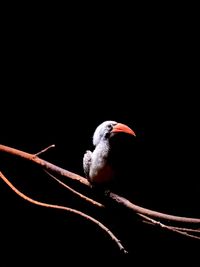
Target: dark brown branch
{"points": [[49, 166], [103, 227]]}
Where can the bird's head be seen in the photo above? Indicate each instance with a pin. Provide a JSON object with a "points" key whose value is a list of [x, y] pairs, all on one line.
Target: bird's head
{"points": [[109, 128]]}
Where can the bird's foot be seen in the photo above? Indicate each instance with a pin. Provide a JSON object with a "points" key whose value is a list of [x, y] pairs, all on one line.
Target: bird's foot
{"points": [[107, 192]]}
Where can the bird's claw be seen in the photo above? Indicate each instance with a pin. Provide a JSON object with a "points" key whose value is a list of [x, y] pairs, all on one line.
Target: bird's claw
{"points": [[107, 192]]}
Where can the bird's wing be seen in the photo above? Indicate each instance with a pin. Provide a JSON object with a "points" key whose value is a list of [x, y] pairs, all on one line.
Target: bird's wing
{"points": [[87, 162]]}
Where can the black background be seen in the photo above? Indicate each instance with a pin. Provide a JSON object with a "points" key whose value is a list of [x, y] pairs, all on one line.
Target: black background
{"points": [[61, 78]]}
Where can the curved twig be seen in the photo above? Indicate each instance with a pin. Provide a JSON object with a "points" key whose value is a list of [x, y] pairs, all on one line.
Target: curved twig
{"points": [[102, 226]]}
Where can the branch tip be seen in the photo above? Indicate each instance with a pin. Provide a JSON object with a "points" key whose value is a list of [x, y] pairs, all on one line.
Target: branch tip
{"points": [[44, 150]]}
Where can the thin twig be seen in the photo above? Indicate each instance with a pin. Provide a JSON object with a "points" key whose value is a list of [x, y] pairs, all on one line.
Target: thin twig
{"points": [[174, 227], [103, 227], [187, 229], [171, 228], [44, 150], [97, 204]]}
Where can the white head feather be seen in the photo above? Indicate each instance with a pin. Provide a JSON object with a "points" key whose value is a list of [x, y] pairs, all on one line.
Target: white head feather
{"points": [[100, 131]]}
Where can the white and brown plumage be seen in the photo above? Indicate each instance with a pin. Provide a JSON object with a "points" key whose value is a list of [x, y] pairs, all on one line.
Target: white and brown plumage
{"points": [[100, 166]]}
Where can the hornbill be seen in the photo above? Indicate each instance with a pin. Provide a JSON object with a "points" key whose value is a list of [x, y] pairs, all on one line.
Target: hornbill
{"points": [[112, 156]]}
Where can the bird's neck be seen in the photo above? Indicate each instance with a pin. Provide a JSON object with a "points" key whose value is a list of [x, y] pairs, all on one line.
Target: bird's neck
{"points": [[103, 147]]}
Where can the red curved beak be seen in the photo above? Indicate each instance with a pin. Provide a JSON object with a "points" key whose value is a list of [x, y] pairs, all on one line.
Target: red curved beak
{"points": [[120, 127]]}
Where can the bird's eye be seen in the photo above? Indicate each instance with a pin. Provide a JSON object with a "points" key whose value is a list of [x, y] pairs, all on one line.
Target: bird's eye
{"points": [[107, 134]]}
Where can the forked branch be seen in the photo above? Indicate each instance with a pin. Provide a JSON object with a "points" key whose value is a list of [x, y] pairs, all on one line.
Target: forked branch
{"points": [[102, 226], [122, 201]]}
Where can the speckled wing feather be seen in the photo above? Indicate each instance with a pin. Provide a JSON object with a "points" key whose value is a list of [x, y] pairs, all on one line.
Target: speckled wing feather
{"points": [[87, 162]]}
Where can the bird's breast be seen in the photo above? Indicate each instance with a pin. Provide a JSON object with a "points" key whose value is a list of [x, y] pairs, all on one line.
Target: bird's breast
{"points": [[100, 169], [103, 174]]}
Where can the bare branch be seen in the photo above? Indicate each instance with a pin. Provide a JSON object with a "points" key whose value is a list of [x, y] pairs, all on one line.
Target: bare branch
{"points": [[122, 201], [179, 230], [45, 164], [103, 227], [151, 213], [182, 231], [187, 229], [174, 227], [97, 204], [44, 150]]}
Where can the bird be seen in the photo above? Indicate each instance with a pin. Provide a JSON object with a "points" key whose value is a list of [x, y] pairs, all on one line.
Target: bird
{"points": [[111, 141]]}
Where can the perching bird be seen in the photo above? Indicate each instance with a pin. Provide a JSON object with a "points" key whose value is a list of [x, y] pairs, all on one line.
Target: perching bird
{"points": [[112, 141]]}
